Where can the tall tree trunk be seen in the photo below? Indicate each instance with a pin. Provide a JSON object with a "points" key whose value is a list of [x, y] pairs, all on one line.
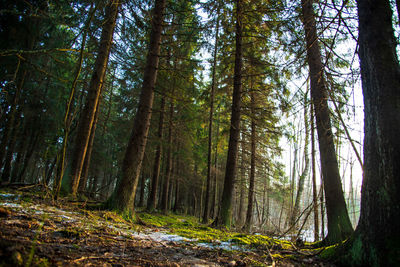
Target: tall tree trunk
{"points": [[242, 185], [210, 125], [88, 114], [124, 195], [314, 182], [225, 212], [377, 238], [152, 200], [304, 174], [88, 156], [249, 214], [33, 139], [142, 187], [168, 167], [10, 147], [20, 152], [215, 191], [339, 225], [10, 125]]}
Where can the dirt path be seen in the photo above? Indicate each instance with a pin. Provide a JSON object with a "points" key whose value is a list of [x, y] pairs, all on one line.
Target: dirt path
{"points": [[37, 233]]}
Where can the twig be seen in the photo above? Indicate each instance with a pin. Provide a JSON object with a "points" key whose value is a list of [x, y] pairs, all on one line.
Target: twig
{"points": [[270, 255]]}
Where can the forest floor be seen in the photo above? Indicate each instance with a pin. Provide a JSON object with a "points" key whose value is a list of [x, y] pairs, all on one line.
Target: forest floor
{"points": [[36, 231]]}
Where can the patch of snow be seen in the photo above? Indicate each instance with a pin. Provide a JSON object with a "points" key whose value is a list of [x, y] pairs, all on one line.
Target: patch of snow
{"points": [[9, 196], [11, 205], [222, 245], [160, 236], [67, 219]]}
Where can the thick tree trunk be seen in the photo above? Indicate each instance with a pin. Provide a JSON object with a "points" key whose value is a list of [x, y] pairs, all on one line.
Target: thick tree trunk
{"points": [[210, 125], [339, 225], [124, 195], [152, 200], [225, 212], [377, 238], [88, 114]]}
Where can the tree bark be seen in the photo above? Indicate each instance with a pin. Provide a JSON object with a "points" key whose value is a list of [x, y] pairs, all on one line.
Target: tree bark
{"points": [[377, 238], [225, 212], [124, 195], [339, 225], [152, 200], [88, 114]]}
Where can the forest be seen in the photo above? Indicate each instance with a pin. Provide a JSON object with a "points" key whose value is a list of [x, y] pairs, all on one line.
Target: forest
{"points": [[199, 133]]}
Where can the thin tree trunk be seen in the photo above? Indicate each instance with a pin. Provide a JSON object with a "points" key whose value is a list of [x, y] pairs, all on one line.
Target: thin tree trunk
{"points": [[209, 154], [88, 114], [314, 183], [142, 187], [61, 158], [215, 197], [10, 148], [152, 200], [124, 195], [225, 212], [88, 156], [22, 146], [339, 225], [304, 174], [33, 139], [10, 125], [168, 168], [249, 214], [242, 186]]}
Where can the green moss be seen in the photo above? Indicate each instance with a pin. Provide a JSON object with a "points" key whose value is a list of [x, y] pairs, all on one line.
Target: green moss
{"points": [[356, 250], [190, 228], [328, 252]]}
